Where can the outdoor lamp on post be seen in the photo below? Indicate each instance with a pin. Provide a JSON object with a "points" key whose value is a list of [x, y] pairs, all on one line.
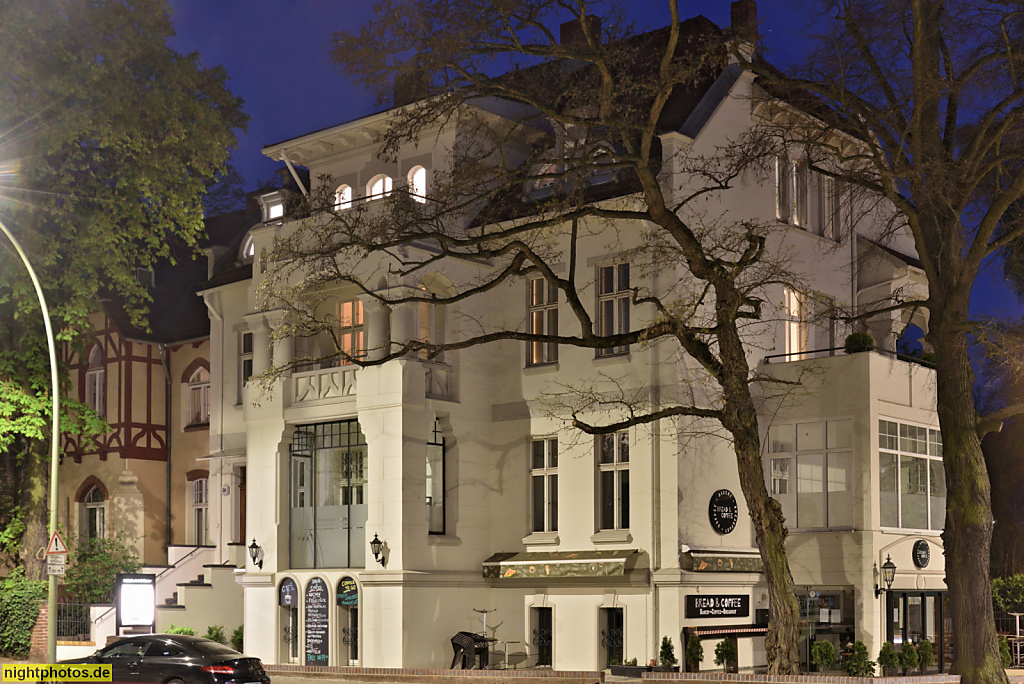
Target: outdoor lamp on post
{"points": [[254, 553], [888, 575], [377, 547]]}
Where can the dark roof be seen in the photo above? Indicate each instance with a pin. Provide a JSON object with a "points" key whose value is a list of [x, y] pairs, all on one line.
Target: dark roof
{"points": [[177, 313]]}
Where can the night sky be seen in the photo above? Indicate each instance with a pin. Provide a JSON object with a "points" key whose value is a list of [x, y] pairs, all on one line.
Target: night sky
{"points": [[276, 56]]}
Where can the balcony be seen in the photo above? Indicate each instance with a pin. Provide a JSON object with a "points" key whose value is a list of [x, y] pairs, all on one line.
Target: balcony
{"points": [[323, 384]]}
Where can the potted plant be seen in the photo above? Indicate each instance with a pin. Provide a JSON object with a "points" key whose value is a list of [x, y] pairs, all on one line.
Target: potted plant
{"points": [[726, 654], [823, 655], [925, 655], [888, 659], [694, 654], [629, 668], [858, 342], [909, 660], [668, 655], [858, 663]]}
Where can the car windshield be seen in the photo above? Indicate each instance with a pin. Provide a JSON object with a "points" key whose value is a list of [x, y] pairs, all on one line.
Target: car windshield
{"points": [[213, 648]]}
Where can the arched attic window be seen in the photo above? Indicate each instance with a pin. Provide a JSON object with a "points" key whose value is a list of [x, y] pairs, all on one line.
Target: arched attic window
{"points": [[418, 183], [343, 197], [94, 515], [248, 250], [199, 397], [378, 187]]}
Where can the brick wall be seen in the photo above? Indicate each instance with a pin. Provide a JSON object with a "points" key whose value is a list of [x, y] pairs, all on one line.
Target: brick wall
{"points": [[37, 652]]}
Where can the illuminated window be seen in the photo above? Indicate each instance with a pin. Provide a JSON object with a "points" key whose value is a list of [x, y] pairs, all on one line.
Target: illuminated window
{"points": [[543, 321], [343, 197], [418, 183], [378, 187], [796, 324], [436, 481], [245, 367], [431, 328], [351, 336], [199, 397]]}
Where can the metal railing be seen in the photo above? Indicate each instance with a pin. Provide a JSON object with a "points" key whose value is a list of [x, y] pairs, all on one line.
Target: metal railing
{"points": [[73, 623], [837, 351]]}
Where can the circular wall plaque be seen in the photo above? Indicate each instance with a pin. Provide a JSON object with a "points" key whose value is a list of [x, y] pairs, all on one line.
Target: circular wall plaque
{"points": [[722, 511], [922, 554]]}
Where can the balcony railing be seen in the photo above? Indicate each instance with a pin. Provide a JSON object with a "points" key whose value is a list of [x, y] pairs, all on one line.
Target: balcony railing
{"points": [[838, 351], [326, 383]]}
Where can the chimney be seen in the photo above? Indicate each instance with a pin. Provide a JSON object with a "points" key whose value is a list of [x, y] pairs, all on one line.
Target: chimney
{"points": [[571, 36], [744, 20]]}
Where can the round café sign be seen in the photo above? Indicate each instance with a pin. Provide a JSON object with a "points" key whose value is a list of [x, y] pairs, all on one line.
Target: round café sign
{"points": [[922, 554], [722, 511]]}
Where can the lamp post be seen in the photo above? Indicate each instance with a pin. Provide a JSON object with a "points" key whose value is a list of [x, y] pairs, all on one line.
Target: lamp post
{"points": [[51, 598]]}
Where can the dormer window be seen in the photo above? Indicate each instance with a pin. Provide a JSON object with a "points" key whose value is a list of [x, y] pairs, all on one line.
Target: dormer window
{"points": [[418, 183], [343, 198], [272, 205], [378, 187]]}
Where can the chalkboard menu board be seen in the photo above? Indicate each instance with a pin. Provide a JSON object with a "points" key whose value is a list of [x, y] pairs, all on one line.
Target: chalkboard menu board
{"points": [[317, 600], [348, 592]]}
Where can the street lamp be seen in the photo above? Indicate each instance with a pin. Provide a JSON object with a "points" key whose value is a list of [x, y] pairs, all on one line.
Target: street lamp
{"points": [[888, 575], [51, 599]]}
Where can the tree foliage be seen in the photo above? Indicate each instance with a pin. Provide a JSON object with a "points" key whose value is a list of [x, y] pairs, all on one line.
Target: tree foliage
{"points": [[108, 139], [19, 609], [93, 567]]}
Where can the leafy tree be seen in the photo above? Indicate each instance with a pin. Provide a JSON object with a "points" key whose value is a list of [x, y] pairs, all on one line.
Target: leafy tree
{"points": [[109, 141], [93, 567], [590, 108], [933, 91]]}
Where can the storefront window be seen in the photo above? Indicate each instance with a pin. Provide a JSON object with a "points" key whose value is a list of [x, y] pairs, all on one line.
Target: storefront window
{"points": [[820, 456], [912, 483], [328, 496]]}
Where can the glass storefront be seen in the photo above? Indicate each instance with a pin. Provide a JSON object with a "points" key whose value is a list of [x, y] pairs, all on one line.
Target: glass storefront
{"points": [[328, 496], [916, 615], [826, 614]]}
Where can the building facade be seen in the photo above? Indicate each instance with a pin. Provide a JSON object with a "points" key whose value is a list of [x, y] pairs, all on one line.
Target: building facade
{"points": [[392, 506]]}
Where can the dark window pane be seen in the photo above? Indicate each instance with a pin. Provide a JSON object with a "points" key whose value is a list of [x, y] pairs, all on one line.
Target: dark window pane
{"points": [[553, 449], [607, 500], [553, 497], [623, 277], [538, 454], [624, 499], [538, 503], [623, 447], [606, 448]]}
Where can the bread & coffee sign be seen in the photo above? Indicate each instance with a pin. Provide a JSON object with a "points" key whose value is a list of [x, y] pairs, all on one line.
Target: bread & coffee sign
{"points": [[717, 606]]}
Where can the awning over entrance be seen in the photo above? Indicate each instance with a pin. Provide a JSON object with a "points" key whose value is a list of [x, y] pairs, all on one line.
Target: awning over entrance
{"points": [[560, 564]]}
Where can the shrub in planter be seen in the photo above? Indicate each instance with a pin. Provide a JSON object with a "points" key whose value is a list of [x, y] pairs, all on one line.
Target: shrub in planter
{"points": [[726, 654], [888, 659], [859, 664], [216, 633], [238, 639], [925, 655], [668, 654], [823, 654], [858, 342], [909, 659], [187, 631], [694, 654]]}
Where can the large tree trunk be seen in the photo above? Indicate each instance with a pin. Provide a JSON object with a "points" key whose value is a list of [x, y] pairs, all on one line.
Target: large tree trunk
{"points": [[35, 486], [968, 529], [781, 641]]}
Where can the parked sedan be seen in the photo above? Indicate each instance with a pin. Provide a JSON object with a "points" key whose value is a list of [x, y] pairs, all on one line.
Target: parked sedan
{"points": [[177, 659]]}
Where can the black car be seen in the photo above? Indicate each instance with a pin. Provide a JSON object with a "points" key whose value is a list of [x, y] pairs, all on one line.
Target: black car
{"points": [[177, 658]]}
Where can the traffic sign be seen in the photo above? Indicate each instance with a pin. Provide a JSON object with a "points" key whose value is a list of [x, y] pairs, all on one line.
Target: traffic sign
{"points": [[55, 565], [56, 546]]}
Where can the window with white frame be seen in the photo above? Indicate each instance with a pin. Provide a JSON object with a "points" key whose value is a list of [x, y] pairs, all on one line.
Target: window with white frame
{"points": [[911, 479], [436, 508], [96, 382], [431, 328], [829, 207], [790, 191], [810, 472], [199, 397], [418, 183], [613, 481], [544, 484], [543, 321], [94, 507], [245, 367], [200, 517], [343, 198], [378, 187], [351, 335], [795, 321], [613, 296]]}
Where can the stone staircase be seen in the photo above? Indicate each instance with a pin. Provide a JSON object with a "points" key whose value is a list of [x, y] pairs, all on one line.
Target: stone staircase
{"points": [[192, 591]]}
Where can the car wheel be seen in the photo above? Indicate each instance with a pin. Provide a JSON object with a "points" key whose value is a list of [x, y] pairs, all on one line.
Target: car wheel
{"points": [[175, 681]]}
